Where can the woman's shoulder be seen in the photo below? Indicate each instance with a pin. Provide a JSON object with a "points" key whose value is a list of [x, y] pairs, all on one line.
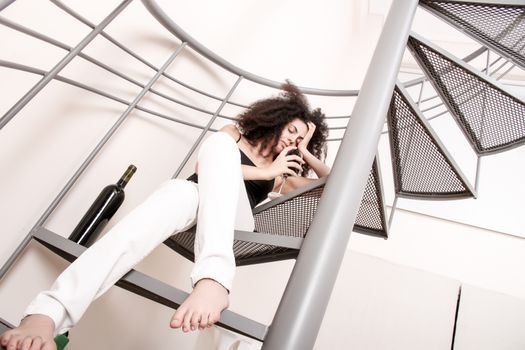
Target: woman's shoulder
{"points": [[231, 130]]}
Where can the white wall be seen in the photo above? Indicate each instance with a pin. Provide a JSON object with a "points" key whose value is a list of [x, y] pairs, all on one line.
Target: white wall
{"points": [[498, 315], [315, 44]]}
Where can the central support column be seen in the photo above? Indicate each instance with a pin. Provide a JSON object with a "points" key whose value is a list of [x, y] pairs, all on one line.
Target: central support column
{"points": [[300, 313]]}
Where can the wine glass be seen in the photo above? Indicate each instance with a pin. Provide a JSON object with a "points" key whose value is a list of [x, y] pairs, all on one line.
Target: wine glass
{"points": [[273, 195]]}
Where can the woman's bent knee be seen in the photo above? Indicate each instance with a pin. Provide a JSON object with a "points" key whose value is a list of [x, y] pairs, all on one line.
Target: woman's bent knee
{"points": [[175, 193], [183, 187], [170, 208], [219, 141]]}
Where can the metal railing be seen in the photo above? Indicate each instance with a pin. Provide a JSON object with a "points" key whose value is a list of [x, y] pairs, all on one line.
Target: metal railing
{"points": [[299, 316]]}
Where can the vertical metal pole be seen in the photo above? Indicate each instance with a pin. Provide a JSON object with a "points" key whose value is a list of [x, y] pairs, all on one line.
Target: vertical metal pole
{"points": [[304, 302], [394, 206], [60, 65], [505, 72], [5, 268], [487, 65], [420, 94], [478, 169]]}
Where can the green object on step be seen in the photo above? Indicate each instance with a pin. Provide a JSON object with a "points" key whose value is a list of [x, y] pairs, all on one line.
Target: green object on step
{"points": [[61, 341]]}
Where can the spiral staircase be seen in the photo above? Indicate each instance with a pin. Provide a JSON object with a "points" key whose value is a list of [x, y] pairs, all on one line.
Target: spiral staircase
{"points": [[491, 118]]}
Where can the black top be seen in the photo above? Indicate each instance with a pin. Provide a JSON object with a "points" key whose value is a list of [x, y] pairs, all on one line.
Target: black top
{"points": [[257, 190]]}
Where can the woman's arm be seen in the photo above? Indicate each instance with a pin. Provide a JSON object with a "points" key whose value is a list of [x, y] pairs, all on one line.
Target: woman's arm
{"points": [[292, 183], [250, 172], [320, 168], [283, 164]]}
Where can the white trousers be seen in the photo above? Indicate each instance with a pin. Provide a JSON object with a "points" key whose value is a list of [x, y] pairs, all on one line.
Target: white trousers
{"points": [[216, 202]]}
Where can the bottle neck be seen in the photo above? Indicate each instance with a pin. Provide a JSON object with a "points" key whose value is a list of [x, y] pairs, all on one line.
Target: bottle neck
{"points": [[123, 181]]}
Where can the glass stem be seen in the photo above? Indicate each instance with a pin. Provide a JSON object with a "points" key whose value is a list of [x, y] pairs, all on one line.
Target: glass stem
{"points": [[282, 183]]}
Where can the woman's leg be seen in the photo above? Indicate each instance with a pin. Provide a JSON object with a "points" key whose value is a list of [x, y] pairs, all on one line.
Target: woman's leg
{"points": [[169, 209], [220, 180], [220, 183]]}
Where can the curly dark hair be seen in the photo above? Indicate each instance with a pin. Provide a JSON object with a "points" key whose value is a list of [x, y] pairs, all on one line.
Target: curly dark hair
{"points": [[263, 121]]}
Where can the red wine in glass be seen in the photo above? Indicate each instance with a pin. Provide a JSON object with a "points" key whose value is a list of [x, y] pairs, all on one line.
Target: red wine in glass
{"points": [[273, 195]]}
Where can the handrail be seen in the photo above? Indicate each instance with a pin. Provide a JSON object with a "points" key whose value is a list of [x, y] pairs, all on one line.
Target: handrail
{"points": [[167, 22], [5, 3], [112, 40]]}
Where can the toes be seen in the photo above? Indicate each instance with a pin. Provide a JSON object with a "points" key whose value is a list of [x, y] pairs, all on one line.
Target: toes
{"points": [[214, 318], [26, 343], [4, 338], [178, 317], [176, 322], [13, 343], [195, 320], [186, 323], [204, 322], [36, 344], [49, 345]]}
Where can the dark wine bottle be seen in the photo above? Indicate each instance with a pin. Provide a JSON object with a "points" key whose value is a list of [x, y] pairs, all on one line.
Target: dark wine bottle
{"points": [[102, 209]]}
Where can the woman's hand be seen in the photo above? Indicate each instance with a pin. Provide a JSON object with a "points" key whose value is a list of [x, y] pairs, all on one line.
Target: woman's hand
{"points": [[302, 146], [285, 164], [317, 165]]}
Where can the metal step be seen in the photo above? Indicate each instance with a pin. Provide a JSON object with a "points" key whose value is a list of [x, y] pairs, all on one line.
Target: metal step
{"points": [[496, 24], [151, 288]]}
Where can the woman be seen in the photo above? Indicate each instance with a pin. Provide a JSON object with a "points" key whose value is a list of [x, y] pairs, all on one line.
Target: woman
{"points": [[254, 151]]}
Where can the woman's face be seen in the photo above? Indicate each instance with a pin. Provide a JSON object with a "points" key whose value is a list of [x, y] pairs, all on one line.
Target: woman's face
{"points": [[293, 133]]}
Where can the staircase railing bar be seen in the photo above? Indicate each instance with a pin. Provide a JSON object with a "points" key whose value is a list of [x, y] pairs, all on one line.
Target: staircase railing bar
{"points": [[170, 25], [60, 65], [33, 70], [136, 56], [206, 129], [34, 34], [85, 164]]}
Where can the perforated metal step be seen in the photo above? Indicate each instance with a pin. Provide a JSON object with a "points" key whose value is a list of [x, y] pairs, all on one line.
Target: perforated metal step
{"points": [[421, 165], [289, 217], [498, 26], [492, 118]]}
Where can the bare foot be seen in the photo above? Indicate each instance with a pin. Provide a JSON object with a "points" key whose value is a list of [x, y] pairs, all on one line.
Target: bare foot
{"points": [[202, 308], [34, 333]]}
